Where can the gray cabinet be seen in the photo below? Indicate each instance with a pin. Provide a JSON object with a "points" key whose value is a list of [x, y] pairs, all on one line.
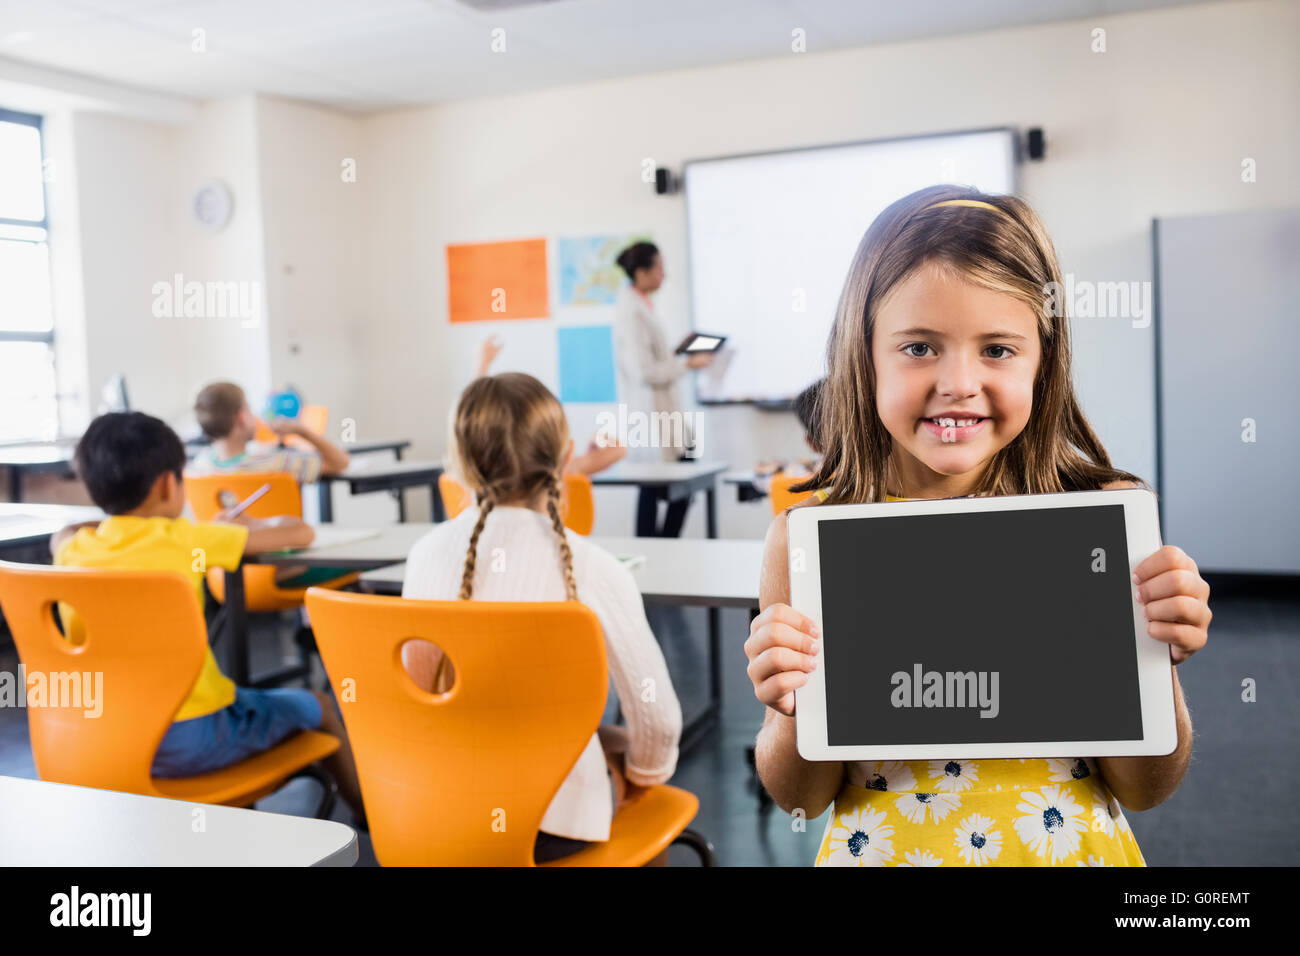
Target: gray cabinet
{"points": [[1228, 388]]}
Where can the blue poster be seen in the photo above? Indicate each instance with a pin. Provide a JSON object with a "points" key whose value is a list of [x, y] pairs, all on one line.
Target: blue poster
{"points": [[587, 364]]}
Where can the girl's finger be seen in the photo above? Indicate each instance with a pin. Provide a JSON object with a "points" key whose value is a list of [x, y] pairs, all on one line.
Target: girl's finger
{"points": [[1178, 610], [778, 635], [785, 614], [773, 689], [1185, 639], [777, 660], [1168, 558], [1171, 584]]}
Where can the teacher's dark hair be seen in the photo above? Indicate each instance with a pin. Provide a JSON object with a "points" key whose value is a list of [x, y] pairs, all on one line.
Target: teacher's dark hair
{"points": [[639, 255]]}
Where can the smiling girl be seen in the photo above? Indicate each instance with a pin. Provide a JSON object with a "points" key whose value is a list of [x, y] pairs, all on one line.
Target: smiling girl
{"points": [[948, 377]]}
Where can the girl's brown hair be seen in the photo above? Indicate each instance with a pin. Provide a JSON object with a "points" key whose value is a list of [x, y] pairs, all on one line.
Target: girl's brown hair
{"points": [[510, 439], [1007, 250]]}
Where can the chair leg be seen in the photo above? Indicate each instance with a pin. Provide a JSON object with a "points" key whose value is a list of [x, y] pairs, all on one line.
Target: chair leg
{"points": [[305, 638], [331, 789], [218, 626], [700, 845]]}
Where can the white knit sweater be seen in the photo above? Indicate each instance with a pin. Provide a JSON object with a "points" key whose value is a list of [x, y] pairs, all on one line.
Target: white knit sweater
{"points": [[581, 810]]}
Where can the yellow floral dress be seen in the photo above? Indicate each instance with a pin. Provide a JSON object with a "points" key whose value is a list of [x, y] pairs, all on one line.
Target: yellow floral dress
{"points": [[977, 812], [1011, 812]]}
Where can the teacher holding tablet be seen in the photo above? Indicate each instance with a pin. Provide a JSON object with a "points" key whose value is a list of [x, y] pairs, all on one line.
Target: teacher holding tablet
{"points": [[648, 371]]}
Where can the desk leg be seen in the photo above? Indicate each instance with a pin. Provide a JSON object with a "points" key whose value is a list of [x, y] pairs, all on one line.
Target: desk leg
{"points": [[439, 511], [711, 511], [401, 505], [15, 483], [237, 626], [326, 501], [709, 718]]}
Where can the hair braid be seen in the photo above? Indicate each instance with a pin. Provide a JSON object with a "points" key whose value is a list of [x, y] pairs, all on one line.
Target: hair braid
{"points": [[471, 557], [566, 553]]}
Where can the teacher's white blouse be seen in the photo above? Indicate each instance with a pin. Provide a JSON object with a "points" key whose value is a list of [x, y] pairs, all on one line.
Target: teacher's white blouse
{"points": [[648, 372]]}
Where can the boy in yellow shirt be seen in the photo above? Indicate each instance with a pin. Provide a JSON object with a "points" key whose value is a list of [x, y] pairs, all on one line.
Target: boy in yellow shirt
{"points": [[132, 464]]}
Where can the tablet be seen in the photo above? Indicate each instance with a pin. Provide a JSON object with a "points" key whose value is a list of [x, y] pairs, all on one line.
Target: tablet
{"points": [[700, 342], [980, 627]]}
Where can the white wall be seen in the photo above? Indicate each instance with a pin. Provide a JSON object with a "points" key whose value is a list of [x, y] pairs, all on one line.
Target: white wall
{"points": [[1155, 126], [313, 245], [134, 181]]}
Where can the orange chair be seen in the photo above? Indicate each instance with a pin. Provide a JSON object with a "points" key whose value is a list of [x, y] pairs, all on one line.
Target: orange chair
{"points": [[465, 777], [315, 417], [577, 504], [782, 497], [455, 496], [203, 492], [144, 632]]}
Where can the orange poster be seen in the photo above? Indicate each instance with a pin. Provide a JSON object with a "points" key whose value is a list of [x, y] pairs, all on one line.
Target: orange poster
{"points": [[488, 281]]}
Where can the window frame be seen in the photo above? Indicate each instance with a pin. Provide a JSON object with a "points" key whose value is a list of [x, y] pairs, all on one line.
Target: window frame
{"points": [[47, 337]]}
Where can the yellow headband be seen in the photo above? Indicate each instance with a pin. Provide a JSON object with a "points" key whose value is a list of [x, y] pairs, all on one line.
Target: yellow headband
{"points": [[964, 202]]}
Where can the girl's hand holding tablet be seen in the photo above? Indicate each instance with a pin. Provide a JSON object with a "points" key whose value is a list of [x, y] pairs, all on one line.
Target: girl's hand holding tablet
{"points": [[782, 649], [1175, 600]]}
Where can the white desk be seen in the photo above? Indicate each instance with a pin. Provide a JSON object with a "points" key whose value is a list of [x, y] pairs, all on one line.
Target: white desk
{"points": [[53, 456], [52, 824], [364, 475], [25, 524], [672, 480], [697, 572]]}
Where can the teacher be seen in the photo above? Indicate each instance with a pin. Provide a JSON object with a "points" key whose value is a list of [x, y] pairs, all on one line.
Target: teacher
{"points": [[648, 372]]}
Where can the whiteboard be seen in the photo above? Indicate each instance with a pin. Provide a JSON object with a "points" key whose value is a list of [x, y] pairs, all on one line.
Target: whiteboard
{"points": [[771, 237]]}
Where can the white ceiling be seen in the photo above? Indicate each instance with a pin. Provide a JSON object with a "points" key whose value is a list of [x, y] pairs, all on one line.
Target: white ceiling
{"points": [[376, 54]]}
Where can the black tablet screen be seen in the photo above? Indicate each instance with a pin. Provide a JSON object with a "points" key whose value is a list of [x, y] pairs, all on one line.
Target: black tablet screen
{"points": [[932, 621]]}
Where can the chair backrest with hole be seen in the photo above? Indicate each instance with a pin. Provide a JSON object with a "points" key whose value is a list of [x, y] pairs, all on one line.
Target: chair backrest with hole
{"points": [[144, 644], [203, 492], [465, 777]]}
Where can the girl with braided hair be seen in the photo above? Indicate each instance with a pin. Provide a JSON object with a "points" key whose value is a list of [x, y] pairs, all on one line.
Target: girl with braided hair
{"points": [[511, 442]]}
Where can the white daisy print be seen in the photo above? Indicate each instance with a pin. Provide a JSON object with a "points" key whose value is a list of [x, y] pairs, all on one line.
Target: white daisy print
{"points": [[915, 805], [860, 838], [953, 776], [977, 841], [892, 775], [921, 858], [1099, 820], [1094, 861], [1063, 771], [1051, 822]]}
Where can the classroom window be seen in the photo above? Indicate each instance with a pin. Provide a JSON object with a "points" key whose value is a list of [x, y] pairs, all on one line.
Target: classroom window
{"points": [[27, 380]]}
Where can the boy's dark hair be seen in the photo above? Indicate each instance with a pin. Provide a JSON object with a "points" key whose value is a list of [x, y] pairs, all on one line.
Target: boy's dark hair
{"points": [[805, 407], [217, 407], [639, 255], [122, 454]]}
